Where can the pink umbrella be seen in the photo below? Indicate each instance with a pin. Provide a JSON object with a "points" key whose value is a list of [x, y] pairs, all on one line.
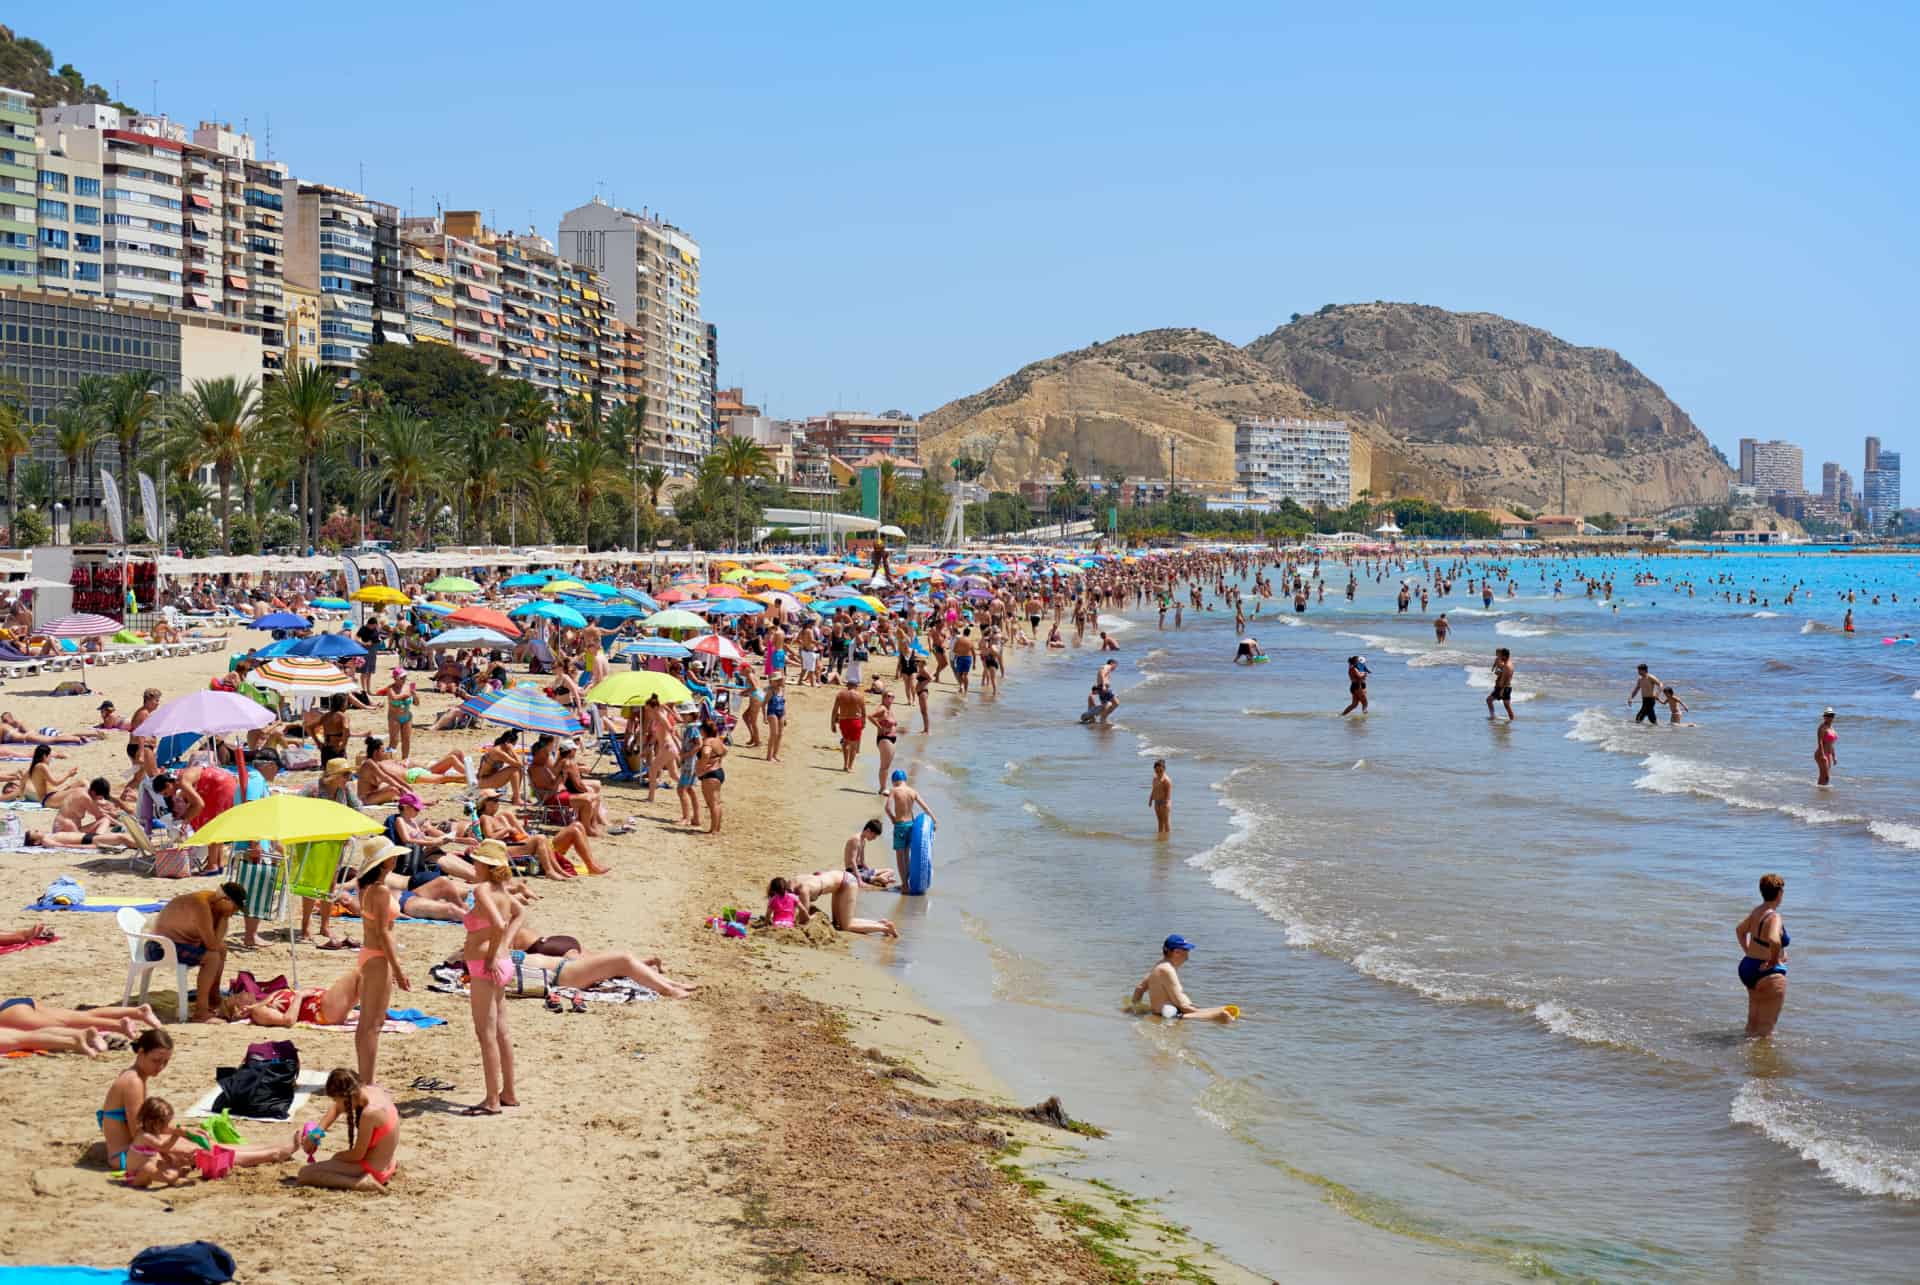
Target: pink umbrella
{"points": [[715, 645], [83, 625], [206, 713]]}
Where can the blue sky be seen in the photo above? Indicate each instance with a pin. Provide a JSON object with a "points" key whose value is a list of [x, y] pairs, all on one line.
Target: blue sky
{"points": [[899, 204]]}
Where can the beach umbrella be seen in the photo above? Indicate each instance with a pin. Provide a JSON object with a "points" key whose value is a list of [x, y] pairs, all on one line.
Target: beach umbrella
{"points": [[435, 608], [678, 595], [551, 611], [277, 620], [604, 589], [531, 710], [485, 618], [784, 601], [302, 676], [734, 607], [452, 584], [286, 818], [332, 604], [278, 647], [207, 713], [722, 591], [380, 595], [777, 568], [640, 597], [563, 586], [671, 619], [665, 648], [840, 591], [635, 686], [735, 576], [469, 636], [715, 645], [869, 605], [324, 646], [530, 580]]}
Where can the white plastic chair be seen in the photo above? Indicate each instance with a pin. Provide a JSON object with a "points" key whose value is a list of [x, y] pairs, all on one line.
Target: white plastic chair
{"points": [[135, 925]]}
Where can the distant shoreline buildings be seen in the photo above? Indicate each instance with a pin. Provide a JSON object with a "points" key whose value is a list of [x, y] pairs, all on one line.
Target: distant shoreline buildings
{"points": [[1773, 473]]}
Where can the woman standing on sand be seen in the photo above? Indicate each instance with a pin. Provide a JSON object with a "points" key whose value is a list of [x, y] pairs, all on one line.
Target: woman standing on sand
{"points": [[1763, 968], [490, 926], [1824, 756]]}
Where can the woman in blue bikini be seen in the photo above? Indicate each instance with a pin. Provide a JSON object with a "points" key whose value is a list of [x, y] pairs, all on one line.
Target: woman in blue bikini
{"points": [[128, 1093], [1763, 969]]}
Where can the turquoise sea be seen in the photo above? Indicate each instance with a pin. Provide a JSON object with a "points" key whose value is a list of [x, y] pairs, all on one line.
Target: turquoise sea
{"points": [[1487, 969]]}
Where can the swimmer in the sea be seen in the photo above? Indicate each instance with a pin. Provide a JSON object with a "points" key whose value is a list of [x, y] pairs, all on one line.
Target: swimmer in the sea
{"points": [[1163, 991]]}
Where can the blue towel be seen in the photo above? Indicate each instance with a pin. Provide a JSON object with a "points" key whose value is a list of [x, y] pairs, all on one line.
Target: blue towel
{"points": [[414, 1016], [63, 1275], [145, 908]]}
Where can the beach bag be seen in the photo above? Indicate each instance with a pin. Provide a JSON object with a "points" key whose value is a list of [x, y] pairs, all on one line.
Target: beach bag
{"points": [[201, 1263], [262, 1086], [173, 863]]}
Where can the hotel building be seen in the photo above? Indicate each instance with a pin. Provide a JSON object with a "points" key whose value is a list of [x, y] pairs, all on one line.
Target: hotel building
{"points": [[1308, 461]]}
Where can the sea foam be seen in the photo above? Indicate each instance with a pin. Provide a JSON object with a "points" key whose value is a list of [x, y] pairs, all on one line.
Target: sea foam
{"points": [[1854, 1162]]}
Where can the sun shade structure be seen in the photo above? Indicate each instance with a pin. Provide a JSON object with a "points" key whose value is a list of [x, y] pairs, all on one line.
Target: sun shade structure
{"points": [[286, 818], [452, 584], [530, 710], [302, 676], [380, 595], [207, 713], [84, 625], [469, 636], [280, 620], [485, 618]]}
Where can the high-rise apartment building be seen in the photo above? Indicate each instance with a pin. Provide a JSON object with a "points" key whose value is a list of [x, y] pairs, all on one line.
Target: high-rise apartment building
{"points": [[1873, 457], [1836, 484], [346, 247], [19, 191], [652, 271], [529, 309], [241, 237], [1308, 461], [1772, 466], [72, 221], [447, 252], [1880, 487]]}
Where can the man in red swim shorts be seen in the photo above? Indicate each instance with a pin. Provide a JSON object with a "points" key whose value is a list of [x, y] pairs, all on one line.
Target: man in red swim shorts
{"points": [[850, 716]]}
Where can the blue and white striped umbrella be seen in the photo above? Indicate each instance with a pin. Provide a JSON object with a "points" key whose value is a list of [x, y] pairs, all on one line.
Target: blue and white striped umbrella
{"points": [[527, 708]]}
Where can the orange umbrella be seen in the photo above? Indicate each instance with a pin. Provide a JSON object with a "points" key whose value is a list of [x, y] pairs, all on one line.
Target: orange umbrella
{"points": [[486, 618]]}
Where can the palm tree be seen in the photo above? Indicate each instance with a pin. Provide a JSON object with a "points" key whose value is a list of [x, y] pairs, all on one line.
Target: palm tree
{"points": [[218, 416], [525, 411], [404, 462], [626, 432], [75, 429], [654, 478], [90, 395], [305, 405], [587, 467], [889, 484], [477, 452], [537, 461], [16, 439], [741, 460], [132, 405]]}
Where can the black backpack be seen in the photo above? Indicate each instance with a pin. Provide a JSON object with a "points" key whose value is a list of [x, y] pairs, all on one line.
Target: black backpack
{"points": [[201, 1263], [263, 1085]]}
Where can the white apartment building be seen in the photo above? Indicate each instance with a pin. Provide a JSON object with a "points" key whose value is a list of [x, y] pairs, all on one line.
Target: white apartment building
{"points": [[652, 270], [451, 283], [330, 248], [1772, 467], [130, 182], [1308, 461]]}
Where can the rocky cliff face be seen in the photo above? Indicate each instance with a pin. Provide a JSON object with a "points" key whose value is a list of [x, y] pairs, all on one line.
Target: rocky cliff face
{"points": [[1460, 407]]}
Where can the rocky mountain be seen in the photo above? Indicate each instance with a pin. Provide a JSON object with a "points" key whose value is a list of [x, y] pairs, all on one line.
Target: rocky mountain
{"points": [[1459, 407]]}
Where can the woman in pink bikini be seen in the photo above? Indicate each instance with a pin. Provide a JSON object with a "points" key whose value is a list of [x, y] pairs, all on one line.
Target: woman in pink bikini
{"points": [[491, 925], [1824, 756], [379, 960], [369, 1159]]}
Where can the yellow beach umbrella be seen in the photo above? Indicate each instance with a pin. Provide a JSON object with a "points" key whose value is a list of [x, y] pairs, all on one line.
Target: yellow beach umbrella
{"points": [[286, 818], [380, 595], [635, 686], [735, 576], [563, 586]]}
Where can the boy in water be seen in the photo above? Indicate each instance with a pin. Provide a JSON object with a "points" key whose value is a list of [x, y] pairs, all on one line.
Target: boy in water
{"points": [[1675, 706], [1163, 991], [1160, 797]]}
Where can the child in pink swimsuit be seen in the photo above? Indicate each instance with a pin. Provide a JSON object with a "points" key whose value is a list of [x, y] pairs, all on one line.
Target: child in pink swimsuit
{"points": [[782, 906]]}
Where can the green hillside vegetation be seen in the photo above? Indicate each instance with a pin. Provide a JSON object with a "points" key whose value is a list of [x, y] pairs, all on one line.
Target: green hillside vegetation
{"points": [[27, 64]]}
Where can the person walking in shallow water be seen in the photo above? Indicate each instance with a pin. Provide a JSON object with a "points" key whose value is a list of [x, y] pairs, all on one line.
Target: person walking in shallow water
{"points": [[1763, 966], [1357, 672], [1502, 682], [1824, 756], [1160, 798]]}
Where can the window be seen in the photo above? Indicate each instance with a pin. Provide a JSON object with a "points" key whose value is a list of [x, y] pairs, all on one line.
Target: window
{"points": [[86, 242], [53, 238], [56, 268], [53, 182], [86, 214], [86, 187], [53, 209]]}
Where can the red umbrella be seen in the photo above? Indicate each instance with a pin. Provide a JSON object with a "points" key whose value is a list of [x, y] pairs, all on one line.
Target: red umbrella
{"points": [[715, 645], [486, 618], [723, 591], [677, 595]]}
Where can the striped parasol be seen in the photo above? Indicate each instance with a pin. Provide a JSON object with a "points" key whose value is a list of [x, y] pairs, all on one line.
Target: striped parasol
{"points": [[715, 645], [302, 676], [84, 625], [530, 710]]}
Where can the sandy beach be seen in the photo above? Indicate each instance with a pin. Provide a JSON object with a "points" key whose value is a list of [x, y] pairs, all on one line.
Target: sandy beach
{"points": [[803, 1116]]}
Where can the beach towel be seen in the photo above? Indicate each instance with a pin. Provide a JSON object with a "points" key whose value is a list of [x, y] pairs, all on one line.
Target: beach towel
{"points": [[408, 919], [63, 1275], [22, 752], [400, 1021], [104, 907], [65, 890], [21, 805], [18, 946]]}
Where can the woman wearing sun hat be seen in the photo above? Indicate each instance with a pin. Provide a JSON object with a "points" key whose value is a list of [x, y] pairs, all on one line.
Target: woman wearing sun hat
{"points": [[491, 925], [379, 962], [335, 784]]}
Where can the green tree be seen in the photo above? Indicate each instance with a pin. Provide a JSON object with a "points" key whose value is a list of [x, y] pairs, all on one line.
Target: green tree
{"points": [[196, 533], [435, 380], [30, 527], [741, 460], [403, 463], [653, 478], [217, 416], [131, 407], [37, 484], [537, 463], [588, 466], [304, 404], [1712, 518], [16, 439], [75, 430], [476, 451]]}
